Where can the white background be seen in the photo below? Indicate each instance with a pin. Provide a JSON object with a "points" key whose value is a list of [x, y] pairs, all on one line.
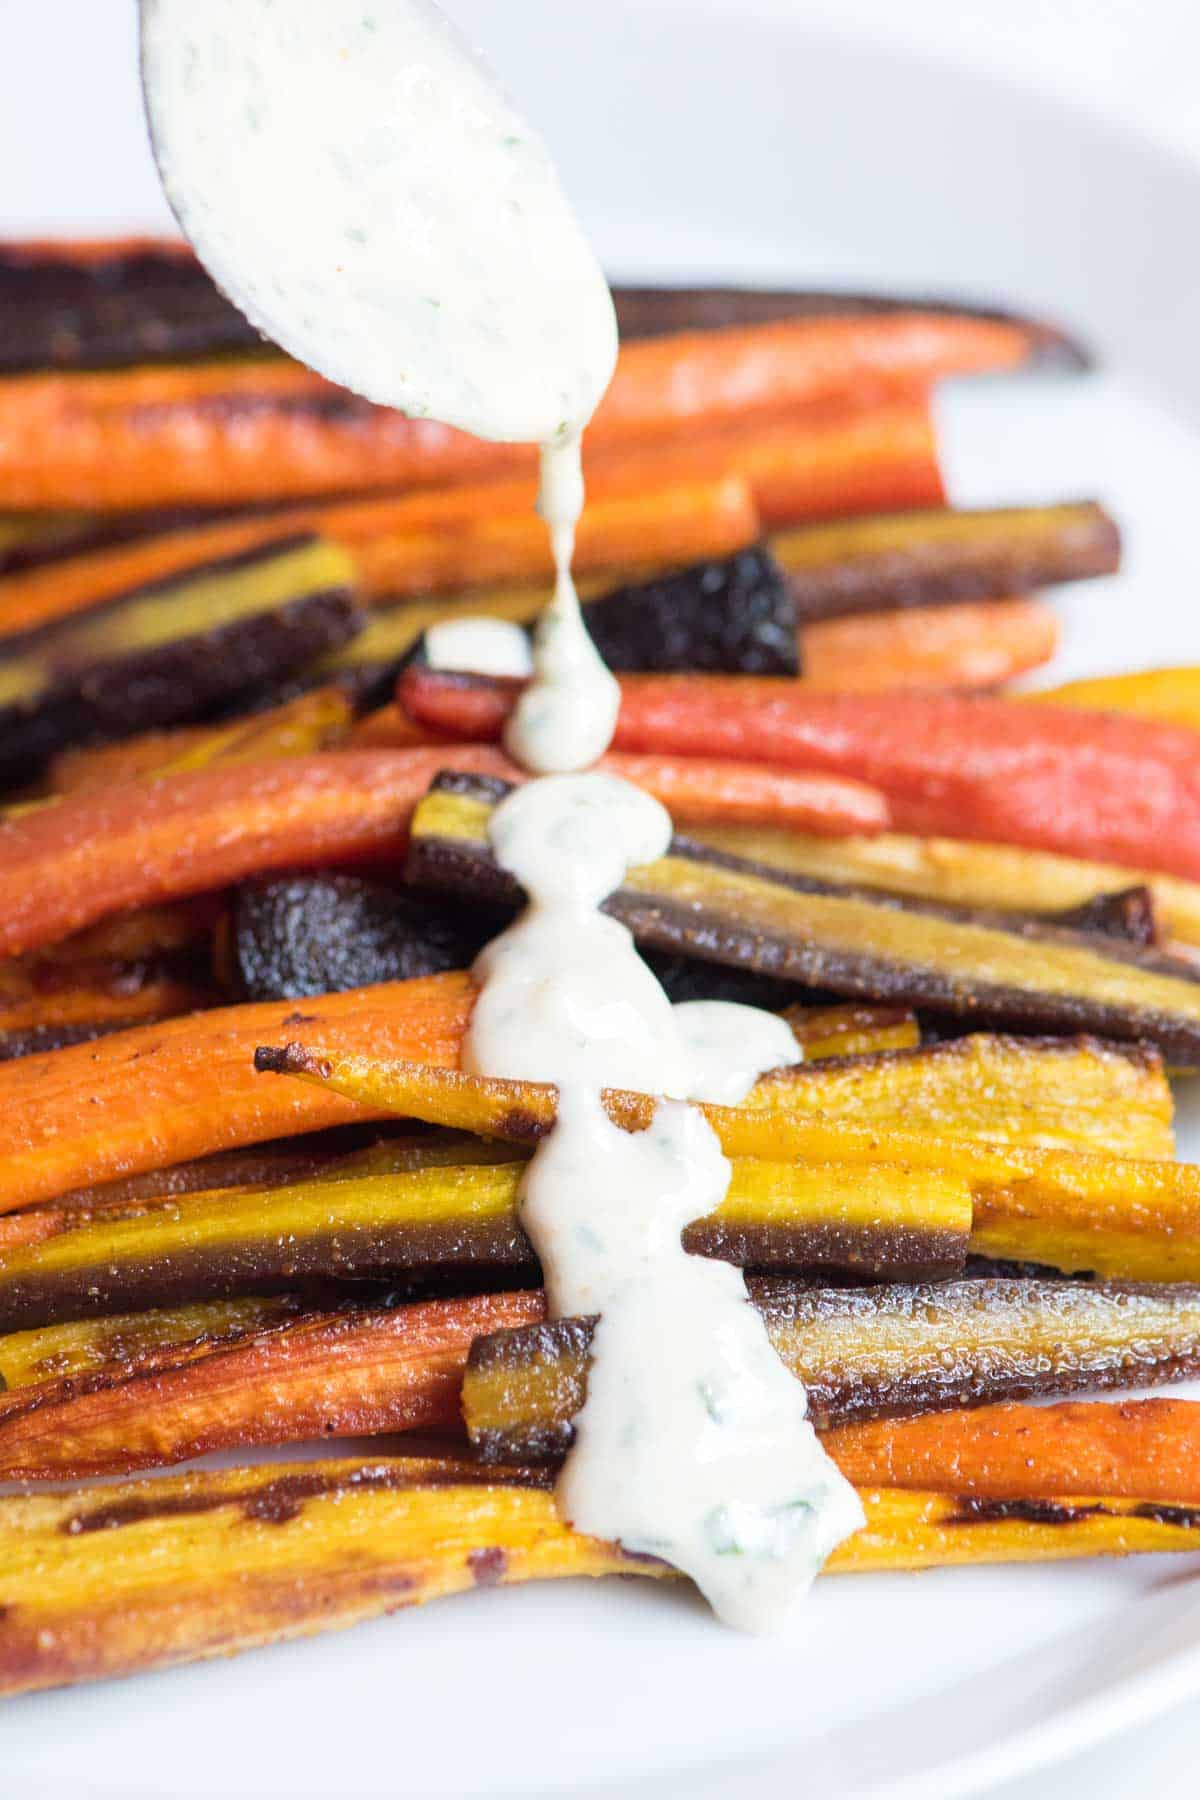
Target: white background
{"points": [[1137, 61]]}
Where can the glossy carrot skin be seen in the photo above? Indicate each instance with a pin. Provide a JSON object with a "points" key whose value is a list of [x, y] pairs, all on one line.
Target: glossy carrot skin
{"points": [[102, 850], [697, 790], [971, 644], [422, 542], [66, 865], [1093, 785], [263, 429], [1150, 1448], [356, 1373], [852, 456], [164, 1093]]}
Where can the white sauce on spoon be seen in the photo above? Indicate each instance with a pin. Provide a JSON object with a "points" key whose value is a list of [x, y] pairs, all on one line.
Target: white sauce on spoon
{"points": [[355, 180], [358, 183]]}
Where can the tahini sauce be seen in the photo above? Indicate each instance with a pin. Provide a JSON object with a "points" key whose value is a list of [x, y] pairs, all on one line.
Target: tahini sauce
{"points": [[353, 177]]}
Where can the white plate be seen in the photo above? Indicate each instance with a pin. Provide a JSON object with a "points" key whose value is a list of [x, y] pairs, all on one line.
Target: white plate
{"points": [[706, 141]]}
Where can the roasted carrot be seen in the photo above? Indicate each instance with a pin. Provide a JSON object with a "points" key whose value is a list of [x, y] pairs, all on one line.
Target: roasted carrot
{"points": [[208, 434], [1131, 1447], [389, 728], [497, 536], [101, 766], [318, 720], [87, 856], [850, 458], [690, 377], [1172, 695], [95, 996], [991, 876], [104, 303], [670, 502], [973, 644], [148, 1574], [166, 1392], [354, 1373], [261, 428], [92, 854], [147, 1098], [421, 542], [1121, 1217], [844, 567], [1093, 785], [667, 502], [697, 791]]}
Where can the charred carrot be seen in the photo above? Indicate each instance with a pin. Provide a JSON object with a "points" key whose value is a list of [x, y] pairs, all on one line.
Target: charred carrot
{"points": [[172, 294], [356, 1372], [1149, 1448], [656, 311], [106, 302], [261, 428], [419, 543], [842, 567], [1115, 1216], [1093, 785], [234, 1375], [256, 428], [110, 302], [85, 857], [149, 1574], [155, 1096], [975, 644]]}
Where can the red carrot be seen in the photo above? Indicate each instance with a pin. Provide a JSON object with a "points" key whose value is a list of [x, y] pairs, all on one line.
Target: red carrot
{"points": [[1094, 785], [698, 791], [81, 858], [88, 855]]}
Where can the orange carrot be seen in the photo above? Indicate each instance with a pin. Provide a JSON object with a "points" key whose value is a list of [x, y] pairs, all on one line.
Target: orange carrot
{"points": [[422, 542], [1144, 1448], [625, 525], [66, 865], [802, 464], [389, 728], [212, 434], [94, 996], [698, 791], [318, 720], [974, 644], [106, 765], [354, 1373], [1100, 786], [261, 428], [187, 1087], [100, 851], [88, 251]]}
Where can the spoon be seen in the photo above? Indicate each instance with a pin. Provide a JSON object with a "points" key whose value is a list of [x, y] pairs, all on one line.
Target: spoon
{"points": [[357, 182]]}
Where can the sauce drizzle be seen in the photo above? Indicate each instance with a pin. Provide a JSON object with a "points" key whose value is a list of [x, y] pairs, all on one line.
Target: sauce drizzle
{"points": [[355, 179]]}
